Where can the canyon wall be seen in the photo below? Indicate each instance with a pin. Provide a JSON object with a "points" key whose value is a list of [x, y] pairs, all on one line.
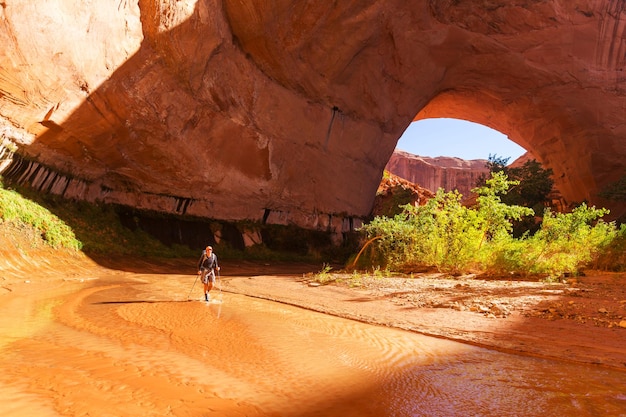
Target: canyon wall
{"points": [[441, 172], [287, 112]]}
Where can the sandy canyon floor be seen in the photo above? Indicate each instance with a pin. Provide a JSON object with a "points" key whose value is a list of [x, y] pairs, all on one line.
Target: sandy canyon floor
{"points": [[582, 320]]}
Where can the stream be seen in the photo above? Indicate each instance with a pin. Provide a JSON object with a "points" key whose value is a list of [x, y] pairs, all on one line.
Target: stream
{"points": [[134, 345]]}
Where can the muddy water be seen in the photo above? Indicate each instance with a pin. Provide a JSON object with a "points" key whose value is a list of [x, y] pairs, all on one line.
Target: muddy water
{"points": [[132, 345]]}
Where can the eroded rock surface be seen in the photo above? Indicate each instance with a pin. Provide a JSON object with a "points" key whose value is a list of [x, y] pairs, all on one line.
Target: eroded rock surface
{"points": [[441, 172], [287, 112]]}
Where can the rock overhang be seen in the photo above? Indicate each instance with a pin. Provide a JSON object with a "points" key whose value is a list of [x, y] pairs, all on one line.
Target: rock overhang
{"points": [[289, 112]]}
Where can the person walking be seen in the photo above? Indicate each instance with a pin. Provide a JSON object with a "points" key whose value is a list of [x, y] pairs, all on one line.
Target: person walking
{"points": [[207, 266]]}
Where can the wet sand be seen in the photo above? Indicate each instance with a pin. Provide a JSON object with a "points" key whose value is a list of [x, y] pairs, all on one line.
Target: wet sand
{"points": [[575, 322], [81, 338]]}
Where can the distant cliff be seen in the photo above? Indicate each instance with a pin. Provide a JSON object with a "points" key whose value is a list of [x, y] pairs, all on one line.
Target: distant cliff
{"points": [[444, 172]]}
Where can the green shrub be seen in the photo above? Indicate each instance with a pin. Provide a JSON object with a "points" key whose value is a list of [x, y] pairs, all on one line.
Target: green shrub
{"points": [[91, 228], [450, 237], [567, 242], [612, 252], [17, 209], [443, 233]]}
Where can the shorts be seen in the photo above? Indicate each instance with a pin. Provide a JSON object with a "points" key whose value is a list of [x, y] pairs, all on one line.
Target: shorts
{"points": [[208, 274]]}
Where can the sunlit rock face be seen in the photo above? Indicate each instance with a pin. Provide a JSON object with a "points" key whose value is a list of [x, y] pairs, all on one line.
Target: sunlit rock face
{"points": [[443, 172], [288, 111]]}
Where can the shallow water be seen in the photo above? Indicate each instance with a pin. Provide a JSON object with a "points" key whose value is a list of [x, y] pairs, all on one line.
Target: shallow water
{"points": [[134, 345]]}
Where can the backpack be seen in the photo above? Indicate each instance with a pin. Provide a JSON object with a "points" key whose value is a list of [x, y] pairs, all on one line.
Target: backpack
{"points": [[213, 260]]}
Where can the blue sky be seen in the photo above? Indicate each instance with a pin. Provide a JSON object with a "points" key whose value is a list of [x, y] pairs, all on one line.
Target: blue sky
{"points": [[453, 137]]}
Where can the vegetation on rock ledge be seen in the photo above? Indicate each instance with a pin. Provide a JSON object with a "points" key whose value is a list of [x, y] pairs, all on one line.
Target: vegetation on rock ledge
{"points": [[64, 224]]}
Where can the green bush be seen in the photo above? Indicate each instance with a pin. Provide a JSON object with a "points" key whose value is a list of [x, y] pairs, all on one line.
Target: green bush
{"points": [[567, 242], [91, 228], [17, 209], [612, 251], [445, 234], [450, 237]]}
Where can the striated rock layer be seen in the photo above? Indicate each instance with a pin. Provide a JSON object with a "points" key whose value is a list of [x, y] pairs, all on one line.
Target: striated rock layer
{"points": [[287, 112], [441, 172]]}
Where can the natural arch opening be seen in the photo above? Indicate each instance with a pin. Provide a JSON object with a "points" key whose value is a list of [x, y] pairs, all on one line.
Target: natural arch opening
{"points": [[448, 137], [449, 153]]}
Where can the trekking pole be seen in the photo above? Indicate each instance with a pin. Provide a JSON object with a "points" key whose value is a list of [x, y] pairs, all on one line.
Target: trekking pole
{"points": [[219, 285], [194, 284], [219, 281]]}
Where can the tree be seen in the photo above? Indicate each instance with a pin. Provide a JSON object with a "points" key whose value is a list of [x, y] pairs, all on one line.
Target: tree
{"points": [[615, 191], [535, 183], [446, 235], [494, 164]]}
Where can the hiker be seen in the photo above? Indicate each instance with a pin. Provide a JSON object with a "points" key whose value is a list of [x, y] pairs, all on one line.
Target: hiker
{"points": [[207, 265]]}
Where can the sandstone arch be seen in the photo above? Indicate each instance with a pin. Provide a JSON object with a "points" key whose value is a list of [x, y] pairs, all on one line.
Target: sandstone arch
{"points": [[287, 112]]}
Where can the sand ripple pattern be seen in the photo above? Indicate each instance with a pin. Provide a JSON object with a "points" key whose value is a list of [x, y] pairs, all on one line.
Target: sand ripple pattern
{"points": [[134, 345]]}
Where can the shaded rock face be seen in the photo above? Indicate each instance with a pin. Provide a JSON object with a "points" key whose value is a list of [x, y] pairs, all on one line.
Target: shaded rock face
{"points": [[442, 172], [287, 112]]}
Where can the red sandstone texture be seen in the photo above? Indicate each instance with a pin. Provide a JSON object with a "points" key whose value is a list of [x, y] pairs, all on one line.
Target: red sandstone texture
{"points": [[289, 112], [442, 172]]}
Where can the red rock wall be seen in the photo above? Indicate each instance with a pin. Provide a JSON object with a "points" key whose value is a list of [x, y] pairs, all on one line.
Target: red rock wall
{"points": [[442, 172]]}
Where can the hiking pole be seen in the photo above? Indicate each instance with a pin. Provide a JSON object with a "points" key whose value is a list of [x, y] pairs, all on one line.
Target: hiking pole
{"points": [[219, 283], [194, 284]]}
